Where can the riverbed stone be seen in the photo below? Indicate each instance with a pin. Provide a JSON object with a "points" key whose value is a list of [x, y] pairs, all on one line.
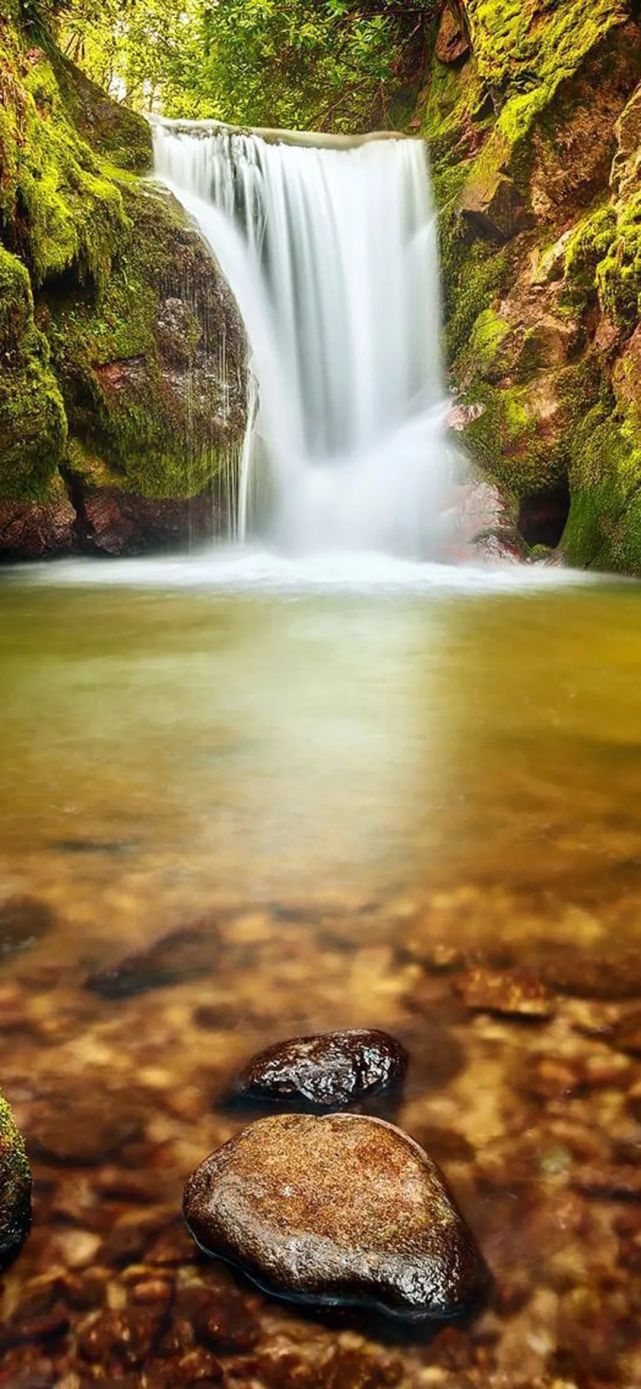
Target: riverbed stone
{"points": [[627, 1036], [77, 1127], [15, 1186], [23, 922], [611, 976], [513, 992], [327, 1070], [175, 958], [341, 1208]]}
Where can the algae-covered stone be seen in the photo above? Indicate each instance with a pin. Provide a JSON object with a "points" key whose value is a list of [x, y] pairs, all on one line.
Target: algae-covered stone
{"points": [[15, 1185], [338, 1209]]}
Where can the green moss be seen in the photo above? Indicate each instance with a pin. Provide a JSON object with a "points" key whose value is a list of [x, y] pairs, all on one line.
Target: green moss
{"points": [[588, 245], [487, 351], [58, 209], [524, 50], [473, 277], [141, 416], [618, 274], [33, 426], [524, 437], [604, 525], [119, 135], [15, 1184]]}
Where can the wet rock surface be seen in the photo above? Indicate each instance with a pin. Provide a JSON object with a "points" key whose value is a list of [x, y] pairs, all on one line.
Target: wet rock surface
{"points": [[328, 1070], [514, 992], [175, 958], [337, 1209]]}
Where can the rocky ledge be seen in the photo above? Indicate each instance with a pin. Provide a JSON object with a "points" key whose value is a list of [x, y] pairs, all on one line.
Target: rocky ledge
{"points": [[122, 353]]}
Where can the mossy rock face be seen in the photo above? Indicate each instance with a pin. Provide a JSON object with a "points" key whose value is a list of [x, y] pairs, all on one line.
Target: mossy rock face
{"points": [[534, 143], [120, 135], [33, 425], [15, 1186], [153, 407], [604, 526], [59, 209], [122, 353]]}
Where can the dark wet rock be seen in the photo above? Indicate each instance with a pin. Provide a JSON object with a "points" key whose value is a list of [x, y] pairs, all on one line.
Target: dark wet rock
{"points": [[83, 1128], [23, 922], [627, 1036], [174, 959], [326, 1070], [119, 523], [338, 1209], [15, 1186], [514, 992], [608, 977], [29, 530]]}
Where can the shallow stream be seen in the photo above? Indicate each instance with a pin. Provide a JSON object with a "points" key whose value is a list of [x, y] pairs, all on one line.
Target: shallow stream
{"points": [[354, 784]]}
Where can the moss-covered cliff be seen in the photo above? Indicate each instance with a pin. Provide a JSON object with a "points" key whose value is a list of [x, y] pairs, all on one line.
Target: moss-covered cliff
{"points": [[118, 407], [533, 114]]}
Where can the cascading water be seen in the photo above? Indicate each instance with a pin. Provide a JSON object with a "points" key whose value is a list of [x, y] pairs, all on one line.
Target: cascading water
{"points": [[330, 251]]}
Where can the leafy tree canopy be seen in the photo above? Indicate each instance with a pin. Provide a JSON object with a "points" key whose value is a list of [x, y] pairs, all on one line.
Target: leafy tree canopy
{"points": [[324, 64]]}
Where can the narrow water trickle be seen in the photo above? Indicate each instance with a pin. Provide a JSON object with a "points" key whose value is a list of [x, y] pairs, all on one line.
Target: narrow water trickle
{"points": [[331, 253]]}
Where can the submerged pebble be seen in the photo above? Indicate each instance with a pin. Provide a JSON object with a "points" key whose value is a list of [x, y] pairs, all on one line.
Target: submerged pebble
{"points": [[328, 1070], [23, 922], [514, 992], [589, 974], [335, 1209], [627, 1036], [174, 959]]}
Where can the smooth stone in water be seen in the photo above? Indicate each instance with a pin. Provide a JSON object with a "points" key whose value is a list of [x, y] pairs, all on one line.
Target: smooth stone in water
{"points": [[23, 923], [340, 1208], [516, 993], [177, 958], [326, 1070]]}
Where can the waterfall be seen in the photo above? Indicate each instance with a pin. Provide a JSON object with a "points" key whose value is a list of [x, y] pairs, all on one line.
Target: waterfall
{"points": [[330, 250]]}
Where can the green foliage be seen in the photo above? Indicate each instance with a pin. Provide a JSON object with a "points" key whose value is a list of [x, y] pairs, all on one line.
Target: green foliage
{"points": [[327, 64]]}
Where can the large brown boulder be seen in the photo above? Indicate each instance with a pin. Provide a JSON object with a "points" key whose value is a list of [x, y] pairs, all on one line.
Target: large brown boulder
{"points": [[338, 1209]]}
